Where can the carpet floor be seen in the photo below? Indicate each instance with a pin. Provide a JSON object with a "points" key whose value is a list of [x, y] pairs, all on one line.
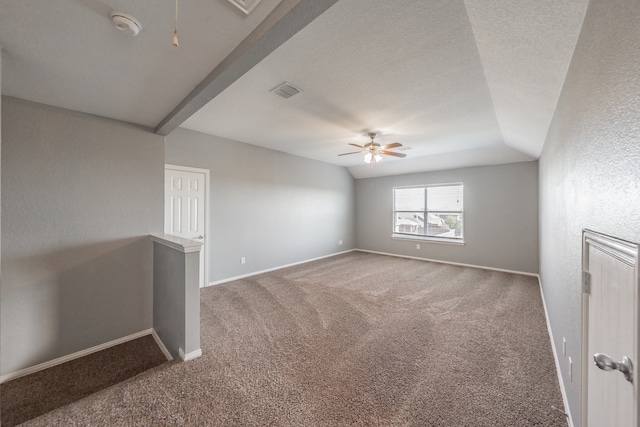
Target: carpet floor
{"points": [[357, 339], [36, 394]]}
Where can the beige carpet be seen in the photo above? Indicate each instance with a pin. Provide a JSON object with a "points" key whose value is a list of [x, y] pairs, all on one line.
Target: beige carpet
{"points": [[27, 397], [353, 340]]}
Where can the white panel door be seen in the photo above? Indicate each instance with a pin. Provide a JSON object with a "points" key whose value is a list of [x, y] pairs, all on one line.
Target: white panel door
{"points": [[185, 207], [611, 322]]}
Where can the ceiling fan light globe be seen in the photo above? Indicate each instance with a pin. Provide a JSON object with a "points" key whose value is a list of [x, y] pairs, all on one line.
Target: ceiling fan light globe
{"points": [[368, 158], [377, 158]]}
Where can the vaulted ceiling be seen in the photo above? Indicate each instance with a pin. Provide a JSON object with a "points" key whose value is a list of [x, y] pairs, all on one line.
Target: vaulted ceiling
{"points": [[458, 83]]}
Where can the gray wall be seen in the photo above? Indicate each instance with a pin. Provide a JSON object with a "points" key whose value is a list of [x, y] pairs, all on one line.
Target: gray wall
{"points": [[0, 193], [272, 208], [176, 297], [500, 216], [590, 166], [169, 296], [80, 195]]}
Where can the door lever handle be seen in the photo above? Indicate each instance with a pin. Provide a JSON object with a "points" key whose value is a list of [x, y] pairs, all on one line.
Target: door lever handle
{"points": [[606, 363]]}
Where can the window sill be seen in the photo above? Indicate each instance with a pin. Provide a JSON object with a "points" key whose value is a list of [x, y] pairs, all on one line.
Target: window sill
{"points": [[427, 239]]}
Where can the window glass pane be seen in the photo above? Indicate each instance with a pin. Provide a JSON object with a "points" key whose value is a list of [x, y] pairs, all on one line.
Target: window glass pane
{"points": [[445, 198], [429, 212], [444, 225], [409, 223], [409, 199]]}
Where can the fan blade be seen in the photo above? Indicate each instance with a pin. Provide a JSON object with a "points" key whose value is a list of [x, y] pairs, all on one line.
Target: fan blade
{"points": [[392, 145], [353, 152], [391, 153], [356, 145]]}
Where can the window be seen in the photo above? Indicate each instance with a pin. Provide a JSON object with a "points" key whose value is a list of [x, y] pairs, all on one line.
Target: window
{"points": [[431, 212]]}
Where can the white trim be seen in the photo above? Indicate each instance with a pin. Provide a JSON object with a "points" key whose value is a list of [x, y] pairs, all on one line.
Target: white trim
{"points": [[563, 391], [163, 348], [524, 273], [424, 239], [76, 355], [255, 273], [628, 253], [240, 5], [189, 356], [186, 168], [207, 212]]}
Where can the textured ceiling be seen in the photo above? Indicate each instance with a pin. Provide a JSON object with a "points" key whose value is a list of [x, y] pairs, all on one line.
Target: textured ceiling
{"points": [[461, 83], [67, 53], [525, 47]]}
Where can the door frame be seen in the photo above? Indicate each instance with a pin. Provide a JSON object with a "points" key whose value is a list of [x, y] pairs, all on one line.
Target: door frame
{"points": [[629, 253], [206, 247]]}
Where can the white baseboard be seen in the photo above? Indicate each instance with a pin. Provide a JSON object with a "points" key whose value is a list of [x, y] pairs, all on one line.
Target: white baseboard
{"points": [[524, 273], [255, 273], [163, 348], [189, 356], [69, 357], [563, 391]]}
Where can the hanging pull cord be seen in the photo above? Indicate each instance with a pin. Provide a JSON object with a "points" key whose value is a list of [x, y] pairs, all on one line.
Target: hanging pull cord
{"points": [[175, 28]]}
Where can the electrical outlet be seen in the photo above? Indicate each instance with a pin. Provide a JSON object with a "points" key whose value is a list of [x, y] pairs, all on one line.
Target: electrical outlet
{"points": [[242, 260], [564, 347], [417, 245], [339, 242]]}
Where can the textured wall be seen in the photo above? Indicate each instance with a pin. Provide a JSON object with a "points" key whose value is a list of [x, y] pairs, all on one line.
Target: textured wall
{"points": [[500, 216], [589, 169], [80, 195], [269, 207]]}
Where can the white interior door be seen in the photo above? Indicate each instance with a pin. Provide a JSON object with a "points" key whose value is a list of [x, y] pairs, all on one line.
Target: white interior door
{"points": [[185, 207], [610, 319]]}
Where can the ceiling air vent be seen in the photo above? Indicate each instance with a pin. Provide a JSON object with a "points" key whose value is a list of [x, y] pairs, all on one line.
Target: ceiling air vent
{"points": [[245, 5], [286, 90]]}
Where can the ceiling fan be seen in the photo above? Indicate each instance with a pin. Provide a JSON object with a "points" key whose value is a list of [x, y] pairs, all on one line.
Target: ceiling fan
{"points": [[373, 150]]}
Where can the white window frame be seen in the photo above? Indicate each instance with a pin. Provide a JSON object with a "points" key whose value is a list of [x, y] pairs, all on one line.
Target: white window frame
{"points": [[426, 238]]}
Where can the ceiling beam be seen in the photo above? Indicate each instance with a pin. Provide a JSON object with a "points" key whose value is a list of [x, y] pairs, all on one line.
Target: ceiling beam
{"points": [[289, 17]]}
